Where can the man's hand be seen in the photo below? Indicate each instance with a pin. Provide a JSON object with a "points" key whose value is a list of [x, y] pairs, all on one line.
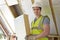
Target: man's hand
{"points": [[30, 37]]}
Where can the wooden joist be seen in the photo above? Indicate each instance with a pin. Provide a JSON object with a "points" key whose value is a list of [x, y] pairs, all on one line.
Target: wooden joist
{"points": [[27, 26], [54, 37], [6, 21], [53, 15], [3, 30]]}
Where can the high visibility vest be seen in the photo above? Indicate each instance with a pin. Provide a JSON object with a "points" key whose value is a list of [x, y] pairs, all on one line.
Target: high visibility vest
{"points": [[37, 27]]}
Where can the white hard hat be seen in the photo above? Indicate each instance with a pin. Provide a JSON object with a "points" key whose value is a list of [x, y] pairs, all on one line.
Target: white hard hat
{"points": [[37, 4]]}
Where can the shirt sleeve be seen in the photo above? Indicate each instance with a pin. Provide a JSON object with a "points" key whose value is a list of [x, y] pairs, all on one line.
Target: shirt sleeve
{"points": [[46, 20]]}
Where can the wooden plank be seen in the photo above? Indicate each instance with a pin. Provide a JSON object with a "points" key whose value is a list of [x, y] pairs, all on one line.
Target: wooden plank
{"points": [[6, 22], [58, 38], [27, 26], [13, 11], [53, 36], [53, 15], [32, 1], [7, 36], [3, 30], [3, 26], [16, 10]]}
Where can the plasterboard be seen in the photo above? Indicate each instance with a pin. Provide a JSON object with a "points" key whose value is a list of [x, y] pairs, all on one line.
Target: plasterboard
{"points": [[22, 27]]}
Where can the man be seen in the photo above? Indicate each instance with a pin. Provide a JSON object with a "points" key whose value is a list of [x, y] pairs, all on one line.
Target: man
{"points": [[40, 25]]}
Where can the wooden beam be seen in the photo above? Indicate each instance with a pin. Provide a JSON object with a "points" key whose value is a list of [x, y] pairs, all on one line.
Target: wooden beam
{"points": [[53, 15], [6, 21], [2, 26], [3, 30], [15, 14], [32, 1], [27, 26]]}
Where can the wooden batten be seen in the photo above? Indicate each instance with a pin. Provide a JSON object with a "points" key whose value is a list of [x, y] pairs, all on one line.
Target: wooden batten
{"points": [[32, 1], [3, 28], [27, 26], [53, 15]]}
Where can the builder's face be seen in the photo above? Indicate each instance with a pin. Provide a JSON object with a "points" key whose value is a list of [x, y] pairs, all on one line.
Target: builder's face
{"points": [[37, 11]]}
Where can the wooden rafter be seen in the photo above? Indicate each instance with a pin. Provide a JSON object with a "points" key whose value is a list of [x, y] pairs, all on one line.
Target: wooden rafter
{"points": [[32, 1], [6, 21], [27, 26], [2, 26], [3, 30], [53, 15]]}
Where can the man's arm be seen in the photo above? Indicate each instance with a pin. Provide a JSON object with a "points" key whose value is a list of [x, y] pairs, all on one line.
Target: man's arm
{"points": [[45, 32], [46, 28]]}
